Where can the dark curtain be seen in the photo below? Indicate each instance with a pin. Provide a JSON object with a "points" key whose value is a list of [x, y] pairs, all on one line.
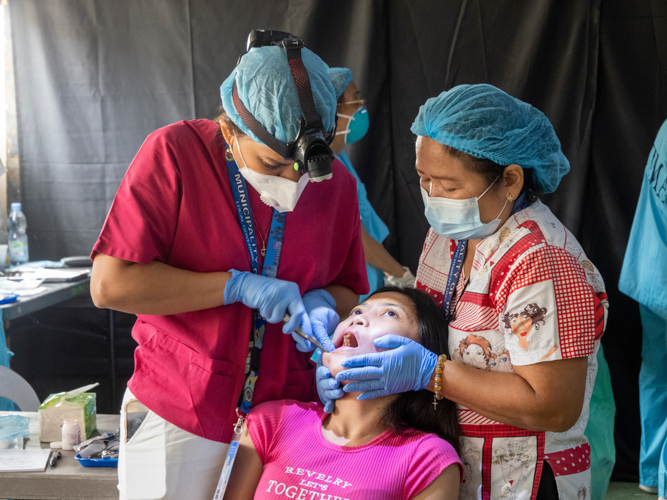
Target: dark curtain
{"points": [[630, 107], [94, 78]]}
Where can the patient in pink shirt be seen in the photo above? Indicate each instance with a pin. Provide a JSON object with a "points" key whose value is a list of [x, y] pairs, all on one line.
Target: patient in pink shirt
{"points": [[392, 447]]}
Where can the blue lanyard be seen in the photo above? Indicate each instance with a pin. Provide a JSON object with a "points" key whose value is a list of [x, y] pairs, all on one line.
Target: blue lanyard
{"points": [[242, 202], [457, 261], [273, 251], [270, 270], [453, 278]]}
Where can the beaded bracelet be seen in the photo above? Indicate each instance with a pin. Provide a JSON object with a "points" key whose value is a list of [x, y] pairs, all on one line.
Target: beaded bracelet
{"points": [[439, 369]]}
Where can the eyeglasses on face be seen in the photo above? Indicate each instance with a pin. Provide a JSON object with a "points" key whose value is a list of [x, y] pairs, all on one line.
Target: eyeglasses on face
{"points": [[358, 101]]}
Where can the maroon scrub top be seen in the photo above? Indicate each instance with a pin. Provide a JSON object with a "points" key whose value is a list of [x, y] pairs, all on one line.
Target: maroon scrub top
{"points": [[175, 206]]}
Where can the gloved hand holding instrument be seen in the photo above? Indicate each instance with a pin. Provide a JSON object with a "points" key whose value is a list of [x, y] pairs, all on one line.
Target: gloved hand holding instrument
{"points": [[311, 340], [273, 298], [321, 308], [323, 319]]}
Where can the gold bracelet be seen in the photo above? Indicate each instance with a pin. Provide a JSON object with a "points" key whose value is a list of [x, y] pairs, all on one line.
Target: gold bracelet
{"points": [[439, 369]]}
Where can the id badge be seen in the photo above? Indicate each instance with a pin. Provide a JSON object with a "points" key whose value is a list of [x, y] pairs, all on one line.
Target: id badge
{"points": [[248, 393], [229, 460]]}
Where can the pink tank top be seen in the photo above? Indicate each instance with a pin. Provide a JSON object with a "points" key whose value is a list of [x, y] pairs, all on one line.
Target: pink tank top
{"points": [[300, 464]]}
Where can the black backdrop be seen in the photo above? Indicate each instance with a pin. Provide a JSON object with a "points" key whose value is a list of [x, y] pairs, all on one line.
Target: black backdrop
{"points": [[94, 78]]}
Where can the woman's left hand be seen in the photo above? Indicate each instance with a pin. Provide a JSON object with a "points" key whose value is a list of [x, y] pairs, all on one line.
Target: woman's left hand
{"points": [[320, 306], [408, 366]]}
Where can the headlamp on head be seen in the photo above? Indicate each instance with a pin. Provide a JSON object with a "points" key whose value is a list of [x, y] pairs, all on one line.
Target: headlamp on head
{"points": [[310, 150]]}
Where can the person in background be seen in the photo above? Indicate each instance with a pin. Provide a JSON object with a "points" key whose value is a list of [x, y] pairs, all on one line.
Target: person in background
{"points": [[381, 267], [644, 278], [398, 447], [211, 239]]}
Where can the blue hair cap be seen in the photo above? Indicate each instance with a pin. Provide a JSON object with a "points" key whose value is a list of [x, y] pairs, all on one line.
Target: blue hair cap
{"points": [[340, 78], [485, 122], [265, 84]]}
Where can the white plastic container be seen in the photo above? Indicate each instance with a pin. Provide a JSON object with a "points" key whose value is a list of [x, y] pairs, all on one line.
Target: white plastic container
{"points": [[71, 434]]}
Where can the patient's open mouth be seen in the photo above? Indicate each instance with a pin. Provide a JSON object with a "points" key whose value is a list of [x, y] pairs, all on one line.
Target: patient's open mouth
{"points": [[348, 339]]}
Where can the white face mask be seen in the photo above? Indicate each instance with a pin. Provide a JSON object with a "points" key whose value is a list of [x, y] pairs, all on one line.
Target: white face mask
{"points": [[459, 219], [277, 192]]}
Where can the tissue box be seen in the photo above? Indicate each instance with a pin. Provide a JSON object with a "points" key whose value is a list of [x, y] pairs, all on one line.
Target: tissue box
{"points": [[59, 407]]}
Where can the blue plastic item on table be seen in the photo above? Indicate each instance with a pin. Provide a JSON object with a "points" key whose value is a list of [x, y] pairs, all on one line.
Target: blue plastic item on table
{"points": [[7, 299], [97, 462]]}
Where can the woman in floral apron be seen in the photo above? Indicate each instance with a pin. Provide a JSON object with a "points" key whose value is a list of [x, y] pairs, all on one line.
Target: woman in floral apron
{"points": [[526, 308]]}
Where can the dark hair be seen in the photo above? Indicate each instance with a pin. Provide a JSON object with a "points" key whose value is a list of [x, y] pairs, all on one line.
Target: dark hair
{"points": [[223, 117], [413, 410], [491, 170]]}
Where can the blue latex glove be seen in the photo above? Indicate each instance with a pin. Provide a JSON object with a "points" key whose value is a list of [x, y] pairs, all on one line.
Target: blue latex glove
{"points": [[321, 308], [408, 366], [327, 387], [272, 298]]}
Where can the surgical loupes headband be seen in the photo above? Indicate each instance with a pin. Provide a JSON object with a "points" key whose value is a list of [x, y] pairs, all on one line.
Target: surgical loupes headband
{"points": [[310, 150]]}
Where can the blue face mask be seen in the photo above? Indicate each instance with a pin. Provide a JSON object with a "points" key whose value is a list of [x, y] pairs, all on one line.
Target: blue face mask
{"points": [[459, 219], [356, 127]]}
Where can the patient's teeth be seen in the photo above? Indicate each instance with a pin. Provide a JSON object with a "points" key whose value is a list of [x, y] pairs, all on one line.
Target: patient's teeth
{"points": [[346, 340]]}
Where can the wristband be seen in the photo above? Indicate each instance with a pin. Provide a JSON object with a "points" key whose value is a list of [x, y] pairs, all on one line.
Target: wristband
{"points": [[439, 369]]}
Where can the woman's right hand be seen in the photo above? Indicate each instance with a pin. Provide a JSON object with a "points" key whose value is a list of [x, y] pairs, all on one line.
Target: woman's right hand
{"points": [[272, 298], [328, 388]]}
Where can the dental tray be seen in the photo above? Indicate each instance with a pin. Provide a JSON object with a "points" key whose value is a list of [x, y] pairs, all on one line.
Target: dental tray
{"points": [[97, 462]]}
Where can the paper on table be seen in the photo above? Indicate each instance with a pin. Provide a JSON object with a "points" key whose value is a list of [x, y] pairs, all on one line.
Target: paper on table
{"points": [[24, 287], [31, 460], [32, 291], [23, 284]]}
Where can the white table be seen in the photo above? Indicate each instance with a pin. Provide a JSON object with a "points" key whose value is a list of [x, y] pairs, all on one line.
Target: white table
{"points": [[68, 480], [55, 293]]}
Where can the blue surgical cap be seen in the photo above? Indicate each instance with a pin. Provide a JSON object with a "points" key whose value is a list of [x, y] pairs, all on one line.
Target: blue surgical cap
{"points": [[340, 78], [265, 84], [485, 122]]}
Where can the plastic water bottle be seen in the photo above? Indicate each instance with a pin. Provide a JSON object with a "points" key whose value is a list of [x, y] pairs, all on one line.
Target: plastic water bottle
{"points": [[18, 239], [4, 238]]}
